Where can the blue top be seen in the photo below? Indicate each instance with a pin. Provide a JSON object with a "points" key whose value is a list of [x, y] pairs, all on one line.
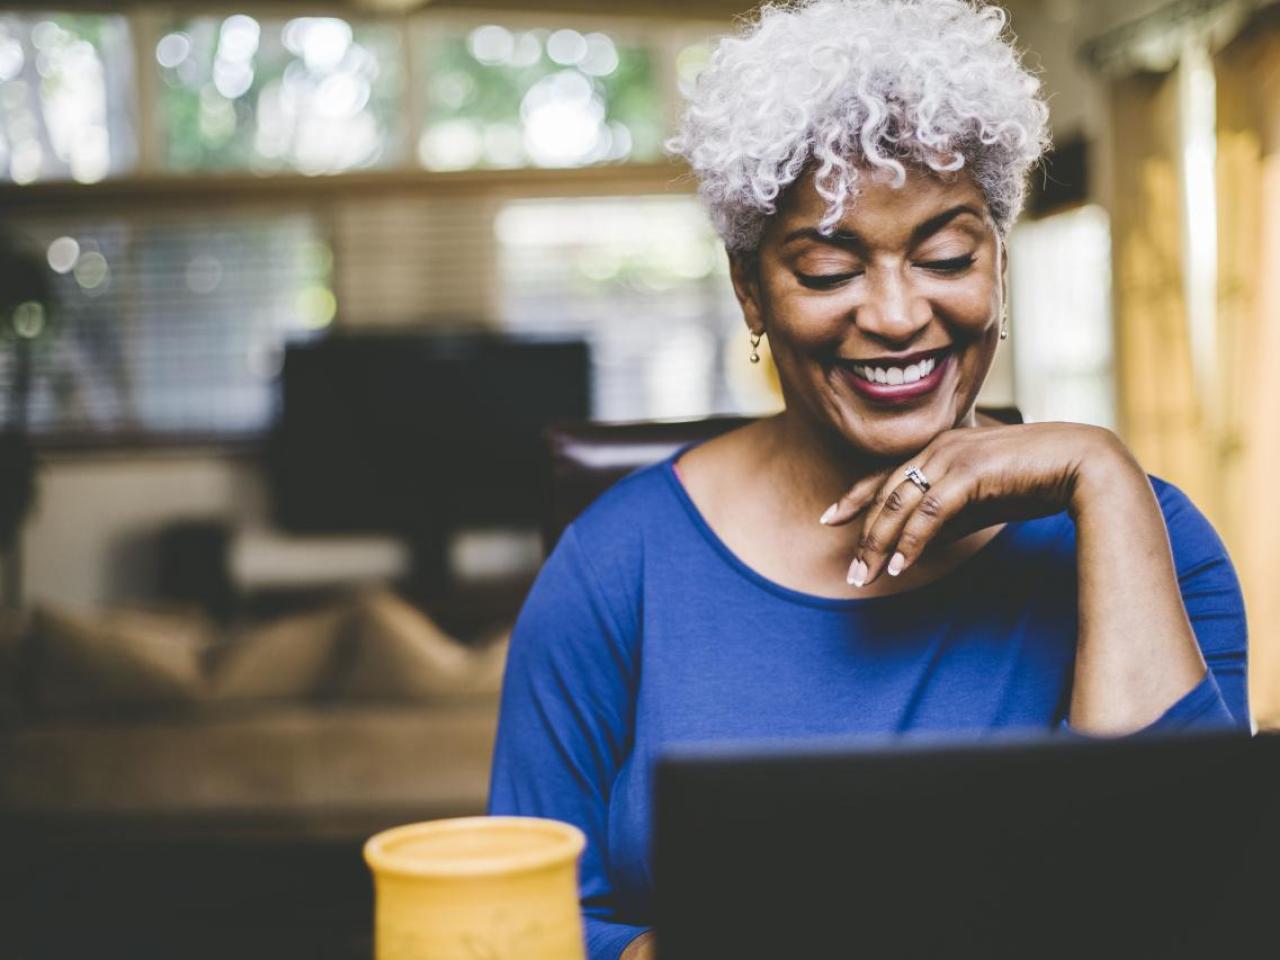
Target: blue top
{"points": [[643, 630]]}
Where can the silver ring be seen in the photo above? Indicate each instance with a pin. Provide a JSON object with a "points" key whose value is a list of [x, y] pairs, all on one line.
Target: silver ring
{"points": [[916, 476]]}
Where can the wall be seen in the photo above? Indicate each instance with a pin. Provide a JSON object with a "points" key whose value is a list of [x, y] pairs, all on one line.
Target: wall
{"points": [[91, 538]]}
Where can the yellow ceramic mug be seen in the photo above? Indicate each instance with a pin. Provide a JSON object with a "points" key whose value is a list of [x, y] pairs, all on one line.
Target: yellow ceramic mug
{"points": [[477, 888]]}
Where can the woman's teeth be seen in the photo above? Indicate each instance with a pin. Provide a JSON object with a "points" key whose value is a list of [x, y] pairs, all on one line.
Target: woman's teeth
{"points": [[896, 375]]}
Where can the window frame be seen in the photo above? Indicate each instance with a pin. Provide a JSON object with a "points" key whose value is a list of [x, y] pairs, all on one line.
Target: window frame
{"points": [[667, 35]]}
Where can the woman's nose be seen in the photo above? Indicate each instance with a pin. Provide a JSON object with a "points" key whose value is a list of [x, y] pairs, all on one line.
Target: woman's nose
{"points": [[892, 311]]}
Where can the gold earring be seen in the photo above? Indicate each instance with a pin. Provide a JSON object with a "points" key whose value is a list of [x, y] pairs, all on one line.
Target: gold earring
{"points": [[755, 342]]}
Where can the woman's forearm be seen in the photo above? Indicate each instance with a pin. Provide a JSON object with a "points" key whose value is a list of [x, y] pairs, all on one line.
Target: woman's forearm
{"points": [[1136, 654], [641, 948]]}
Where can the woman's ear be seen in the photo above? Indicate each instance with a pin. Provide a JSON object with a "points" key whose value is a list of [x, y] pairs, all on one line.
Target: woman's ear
{"points": [[744, 271]]}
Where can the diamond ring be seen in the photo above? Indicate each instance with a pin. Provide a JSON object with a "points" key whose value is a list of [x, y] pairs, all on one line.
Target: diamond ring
{"points": [[916, 476]]}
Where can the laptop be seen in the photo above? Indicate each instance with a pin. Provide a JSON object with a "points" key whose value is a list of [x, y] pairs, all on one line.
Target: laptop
{"points": [[1063, 847]]}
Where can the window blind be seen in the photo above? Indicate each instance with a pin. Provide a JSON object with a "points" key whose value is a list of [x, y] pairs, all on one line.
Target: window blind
{"points": [[168, 325]]}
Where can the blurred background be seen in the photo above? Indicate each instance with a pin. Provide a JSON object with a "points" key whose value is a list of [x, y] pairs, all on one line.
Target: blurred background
{"points": [[288, 292]]}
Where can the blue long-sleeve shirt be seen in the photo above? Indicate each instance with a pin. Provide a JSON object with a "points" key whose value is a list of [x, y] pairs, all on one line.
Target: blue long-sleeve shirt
{"points": [[643, 630]]}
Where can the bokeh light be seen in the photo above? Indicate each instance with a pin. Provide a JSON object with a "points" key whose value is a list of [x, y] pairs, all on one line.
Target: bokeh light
{"points": [[567, 47], [491, 44], [29, 319], [563, 120], [690, 62], [59, 115], [62, 254], [91, 270], [527, 50], [452, 145], [601, 58], [238, 38], [317, 306], [172, 49], [11, 58]]}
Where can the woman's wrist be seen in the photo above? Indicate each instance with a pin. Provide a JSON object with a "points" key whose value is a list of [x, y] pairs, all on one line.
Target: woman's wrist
{"points": [[1107, 476]]}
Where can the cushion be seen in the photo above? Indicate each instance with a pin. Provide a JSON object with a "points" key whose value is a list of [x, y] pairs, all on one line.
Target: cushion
{"points": [[120, 661], [396, 652], [491, 661], [294, 658]]}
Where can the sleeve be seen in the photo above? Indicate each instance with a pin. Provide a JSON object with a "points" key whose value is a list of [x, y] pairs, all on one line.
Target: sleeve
{"points": [[565, 725], [1215, 606]]}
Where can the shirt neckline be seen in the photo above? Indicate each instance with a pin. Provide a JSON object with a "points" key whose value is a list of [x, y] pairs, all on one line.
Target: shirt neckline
{"points": [[975, 561]]}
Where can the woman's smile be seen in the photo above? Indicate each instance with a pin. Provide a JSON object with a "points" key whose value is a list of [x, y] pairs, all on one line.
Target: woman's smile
{"points": [[893, 381]]}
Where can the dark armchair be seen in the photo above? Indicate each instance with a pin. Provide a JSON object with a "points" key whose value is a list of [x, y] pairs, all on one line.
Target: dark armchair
{"points": [[586, 458]]}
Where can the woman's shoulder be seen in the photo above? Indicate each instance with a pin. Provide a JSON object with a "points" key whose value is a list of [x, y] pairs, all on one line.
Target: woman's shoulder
{"points": [[616, 522], [1192, 537], [654, 501], [1175, 504]]}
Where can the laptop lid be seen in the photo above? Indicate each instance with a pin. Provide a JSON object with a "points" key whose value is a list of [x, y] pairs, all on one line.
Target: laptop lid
{"points": [[1140, 847]]}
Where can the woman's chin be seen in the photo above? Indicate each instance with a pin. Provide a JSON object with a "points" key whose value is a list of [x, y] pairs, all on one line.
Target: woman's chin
{"points": [[895, 438], [898, 450], [893, 423]]}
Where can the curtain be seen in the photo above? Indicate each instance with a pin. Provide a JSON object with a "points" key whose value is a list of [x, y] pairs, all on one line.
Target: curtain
{"points": [[1221, 447], [1247, 72], [1157, 407]]}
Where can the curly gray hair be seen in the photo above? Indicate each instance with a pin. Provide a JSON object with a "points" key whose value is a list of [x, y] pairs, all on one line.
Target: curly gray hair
{"points": [[844, 84]]}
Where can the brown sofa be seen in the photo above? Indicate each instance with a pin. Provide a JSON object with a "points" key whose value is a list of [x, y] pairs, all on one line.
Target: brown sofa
{"points": [[169, 791], [329, 724]]}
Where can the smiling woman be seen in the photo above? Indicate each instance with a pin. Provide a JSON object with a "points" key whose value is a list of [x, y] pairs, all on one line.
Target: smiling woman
{"points": [[863, 162]]}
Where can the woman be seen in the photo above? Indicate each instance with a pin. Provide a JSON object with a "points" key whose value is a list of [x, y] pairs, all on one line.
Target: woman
{"points": [[877, 558]]}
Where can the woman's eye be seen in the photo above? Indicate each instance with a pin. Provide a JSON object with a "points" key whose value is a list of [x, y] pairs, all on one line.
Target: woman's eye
{"points": [[951, 265], [823, 281]]}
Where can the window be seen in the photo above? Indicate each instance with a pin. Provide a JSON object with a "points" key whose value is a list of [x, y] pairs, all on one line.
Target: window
{"points": [[324, 95], [645, 281], [1061, 319], [496, 97], [66, 89], [311, 94]]}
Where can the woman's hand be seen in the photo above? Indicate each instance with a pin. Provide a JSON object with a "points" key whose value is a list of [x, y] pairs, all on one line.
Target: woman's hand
{"points": [[641, 948], [1136, 654], [977, 477]]}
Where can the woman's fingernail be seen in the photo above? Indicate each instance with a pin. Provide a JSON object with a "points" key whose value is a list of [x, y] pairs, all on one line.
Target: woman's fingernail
{"points": [[857, 573], [831, 512], [896, 563]]}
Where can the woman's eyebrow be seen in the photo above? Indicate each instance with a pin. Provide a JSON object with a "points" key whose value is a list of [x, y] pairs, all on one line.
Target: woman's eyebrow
{"points": [[848, 238], [940, 220]]}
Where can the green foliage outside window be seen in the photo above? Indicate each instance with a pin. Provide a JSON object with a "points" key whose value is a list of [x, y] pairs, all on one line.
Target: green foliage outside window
{"points": [[501, 98], [313, 94]]}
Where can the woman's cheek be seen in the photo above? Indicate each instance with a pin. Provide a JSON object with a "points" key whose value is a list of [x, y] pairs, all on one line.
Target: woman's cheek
{"points": [[975, 308]]}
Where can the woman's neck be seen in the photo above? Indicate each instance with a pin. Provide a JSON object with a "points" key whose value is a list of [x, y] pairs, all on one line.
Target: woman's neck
{"points": [[812, 463], [813, 466]]}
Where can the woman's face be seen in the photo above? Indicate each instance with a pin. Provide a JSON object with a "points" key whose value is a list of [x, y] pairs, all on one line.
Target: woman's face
{"points": [[884, 331]]}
